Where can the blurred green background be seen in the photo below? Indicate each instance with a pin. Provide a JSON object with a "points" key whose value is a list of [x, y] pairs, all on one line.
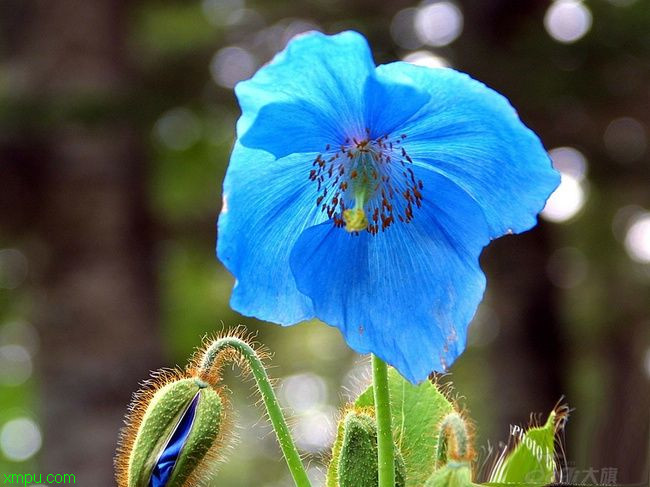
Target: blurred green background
{"points": [[116, 122]]}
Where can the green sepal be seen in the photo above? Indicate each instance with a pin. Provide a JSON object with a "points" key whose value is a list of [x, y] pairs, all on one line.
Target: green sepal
{"points": [[163, 414], [358, 459], [532, 461], [417, 412], [205, 432], [354, 455]]}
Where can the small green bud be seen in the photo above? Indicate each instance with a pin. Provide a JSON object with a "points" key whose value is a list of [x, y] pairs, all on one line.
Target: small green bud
{"points": [[357, 462], [454, 454], [174, 433], [454, 441]]}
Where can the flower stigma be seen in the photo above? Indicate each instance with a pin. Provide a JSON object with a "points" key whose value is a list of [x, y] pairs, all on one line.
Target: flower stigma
{"points": [[367, 184]]}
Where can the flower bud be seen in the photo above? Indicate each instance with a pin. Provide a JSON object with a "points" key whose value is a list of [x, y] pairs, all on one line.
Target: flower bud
{"points": [[357, 462], [454, 452], [172, 435]]}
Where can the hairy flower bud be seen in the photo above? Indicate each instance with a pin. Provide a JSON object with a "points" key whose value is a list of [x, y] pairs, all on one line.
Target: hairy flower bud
{"points": [[357, 461], [454, 453], [173, 433]]}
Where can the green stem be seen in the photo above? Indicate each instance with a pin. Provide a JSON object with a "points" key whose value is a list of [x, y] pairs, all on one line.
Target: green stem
{"points": [[270, 401], [385, 445]]}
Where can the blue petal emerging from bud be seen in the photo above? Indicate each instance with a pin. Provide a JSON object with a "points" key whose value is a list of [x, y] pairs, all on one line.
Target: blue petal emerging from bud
{"points": [[165, 464]]}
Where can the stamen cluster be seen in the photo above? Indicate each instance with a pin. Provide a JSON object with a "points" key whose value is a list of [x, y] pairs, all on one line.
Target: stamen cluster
{"points": [[372, 176]]}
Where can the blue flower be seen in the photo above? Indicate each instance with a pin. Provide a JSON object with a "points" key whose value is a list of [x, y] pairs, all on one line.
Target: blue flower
{"points": [[363, 196]]}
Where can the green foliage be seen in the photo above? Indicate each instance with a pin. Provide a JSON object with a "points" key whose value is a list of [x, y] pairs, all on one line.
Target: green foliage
{"points": [[434, 443], [532, 461], [416, 412]]}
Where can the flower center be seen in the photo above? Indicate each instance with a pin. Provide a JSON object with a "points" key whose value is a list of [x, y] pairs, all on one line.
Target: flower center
{"points": [[367, 184]]}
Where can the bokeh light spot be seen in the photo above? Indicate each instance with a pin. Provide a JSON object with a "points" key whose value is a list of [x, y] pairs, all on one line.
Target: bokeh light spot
{"points": [[567, 21], [314, 431], [297, 27], [317, 476], [231, 65], [20, 439], [218, 11], [178, 129], [622, 219], [438, 23], [637, 240], [569, 160], [303, 392], [15, 365], [426, 58], [402, 29], [20, 333], [566, 201]]}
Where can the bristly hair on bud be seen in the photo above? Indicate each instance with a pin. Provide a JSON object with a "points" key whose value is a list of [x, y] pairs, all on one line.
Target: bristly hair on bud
{"points": [[455, 439], [207, 363], [354, 452], [455, 452], [238, 347], [177, 427], [177, 431]]}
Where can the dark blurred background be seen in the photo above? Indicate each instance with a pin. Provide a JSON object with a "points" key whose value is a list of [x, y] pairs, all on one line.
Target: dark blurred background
{"points": [[116, 122]]}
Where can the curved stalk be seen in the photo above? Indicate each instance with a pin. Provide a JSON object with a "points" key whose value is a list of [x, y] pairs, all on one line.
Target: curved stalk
{"points": [[268, 396]]}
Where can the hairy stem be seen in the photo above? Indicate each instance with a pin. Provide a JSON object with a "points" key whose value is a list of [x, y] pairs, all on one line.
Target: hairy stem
{"points": [[268, 396], [385, 445]]}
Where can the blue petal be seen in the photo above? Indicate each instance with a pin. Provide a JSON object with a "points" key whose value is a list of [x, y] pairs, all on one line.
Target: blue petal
{"points": [[304, 126], [317, 81], [389, 105], [406, 294], [473, 136], [289, 128], [162, 471], [267, 204]]}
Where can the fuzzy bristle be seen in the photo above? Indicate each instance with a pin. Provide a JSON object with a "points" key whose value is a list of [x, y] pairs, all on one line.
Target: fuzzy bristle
{"points": [[227, 356], [135, 413], [338, 442], [205, 471]]}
